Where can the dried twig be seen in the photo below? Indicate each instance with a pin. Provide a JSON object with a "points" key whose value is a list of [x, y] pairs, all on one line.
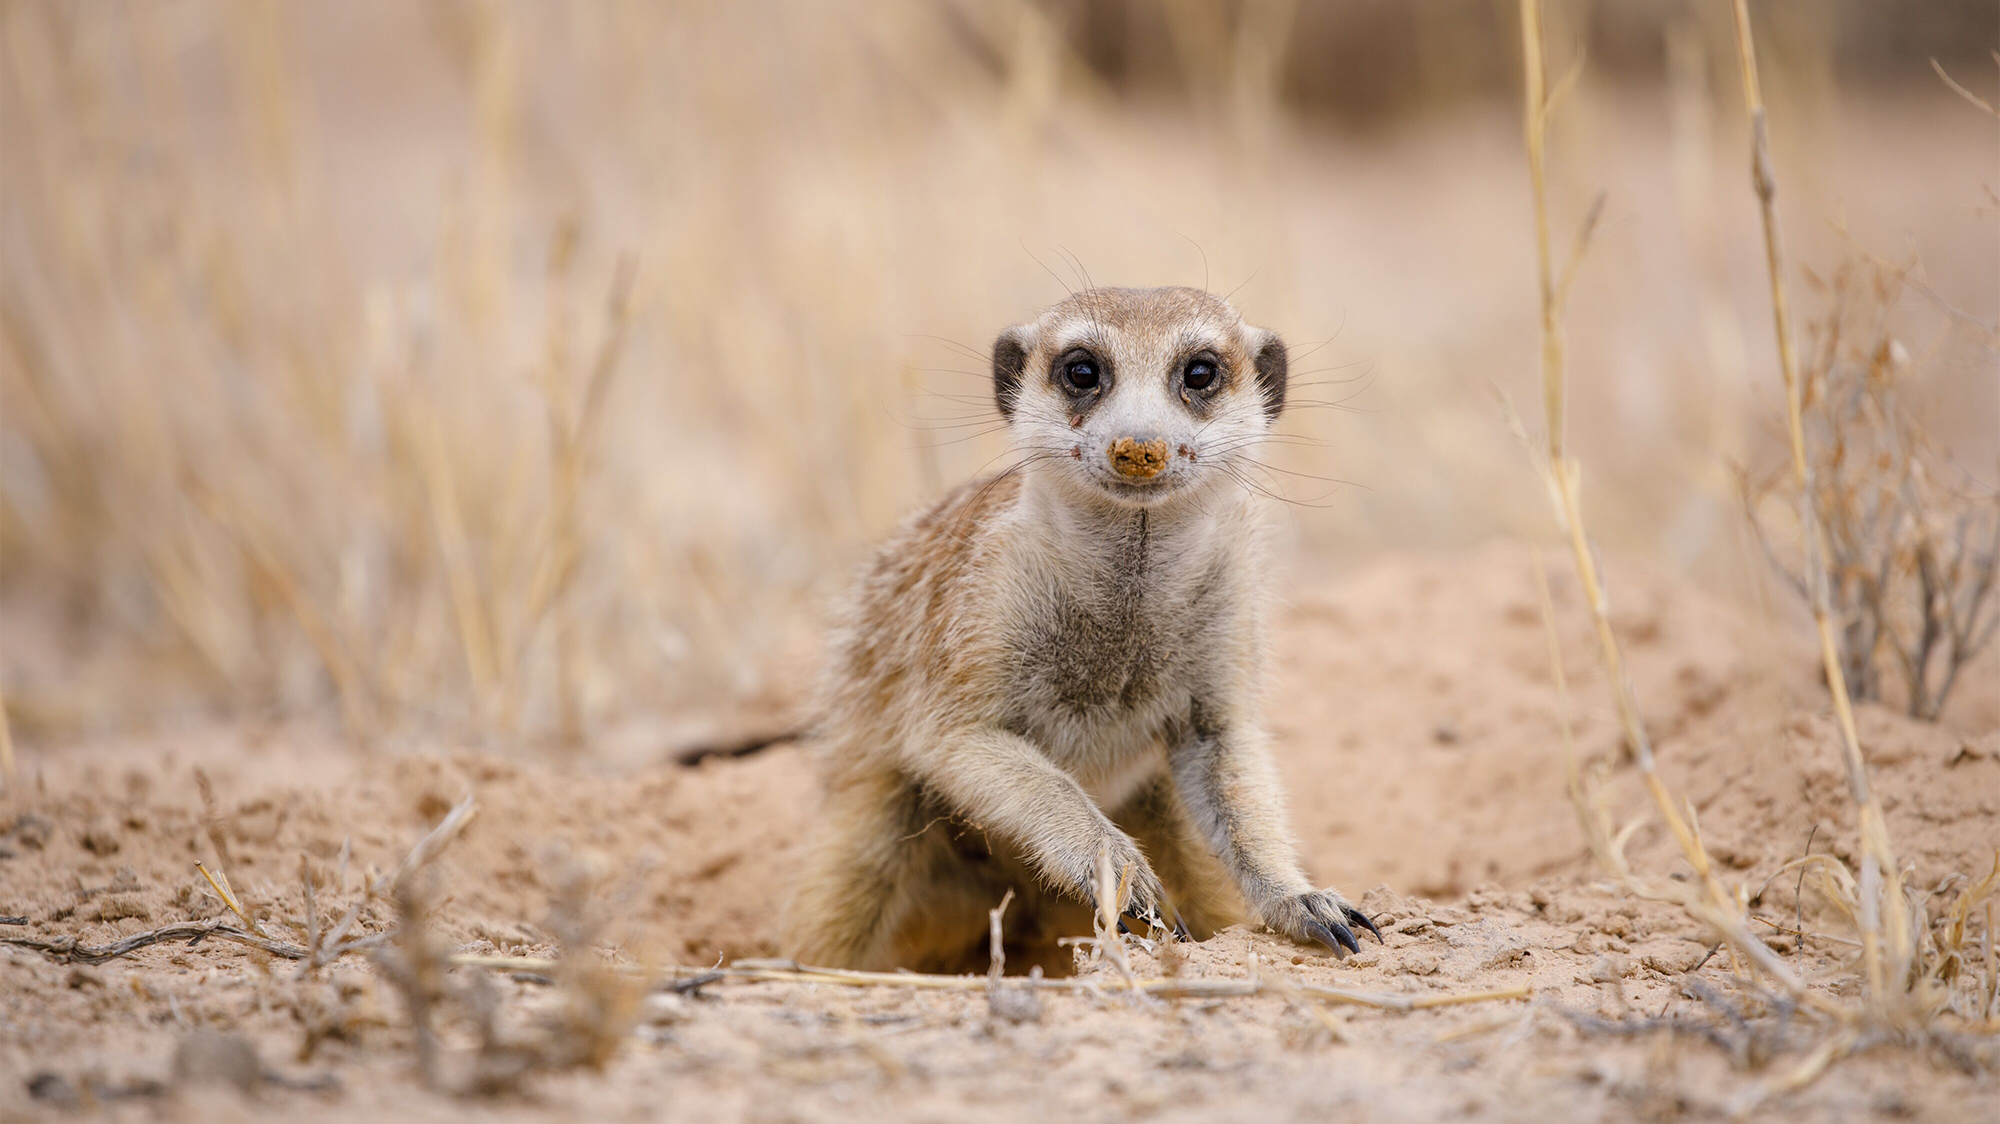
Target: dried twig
{"points": [[1881, 886], [788, 971], [432, 844], [69, 950], [996, 944]]}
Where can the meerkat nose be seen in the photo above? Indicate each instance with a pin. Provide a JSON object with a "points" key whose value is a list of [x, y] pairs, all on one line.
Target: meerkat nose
{"points": [[1139, 460]]}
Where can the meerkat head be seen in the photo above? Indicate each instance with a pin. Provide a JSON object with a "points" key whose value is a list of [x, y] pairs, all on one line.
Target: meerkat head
{"points": [[1140, 395]]}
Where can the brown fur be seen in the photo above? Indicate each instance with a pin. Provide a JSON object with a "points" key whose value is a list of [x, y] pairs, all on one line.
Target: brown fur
{"points": [[1061, 662]]}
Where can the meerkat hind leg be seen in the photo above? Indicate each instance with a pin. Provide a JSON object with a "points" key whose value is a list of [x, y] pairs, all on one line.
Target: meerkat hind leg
{"points": [[864, 865], [947, 926]]}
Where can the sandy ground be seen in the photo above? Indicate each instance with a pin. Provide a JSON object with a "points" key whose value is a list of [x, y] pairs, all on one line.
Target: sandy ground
{"points": [[1416, 720]]}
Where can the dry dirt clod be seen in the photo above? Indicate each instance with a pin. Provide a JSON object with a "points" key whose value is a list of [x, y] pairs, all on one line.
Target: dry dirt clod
{"points": [[1420, 964], [211, 1057], [1610, 967], [30, 831], [1014, 1004], [120, 909], [55, 1089], [100, 837]]}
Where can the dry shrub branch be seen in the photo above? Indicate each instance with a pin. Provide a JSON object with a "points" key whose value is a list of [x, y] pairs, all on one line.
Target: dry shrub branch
{"points": [[1912, 545]]}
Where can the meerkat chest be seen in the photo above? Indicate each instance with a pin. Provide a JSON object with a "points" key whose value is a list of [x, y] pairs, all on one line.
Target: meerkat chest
{"points": [[1117, 642], [1099, 679]]}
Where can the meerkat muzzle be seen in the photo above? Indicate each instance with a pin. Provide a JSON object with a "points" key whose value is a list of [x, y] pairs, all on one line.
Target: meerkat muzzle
{"points": [[1139, 460]]}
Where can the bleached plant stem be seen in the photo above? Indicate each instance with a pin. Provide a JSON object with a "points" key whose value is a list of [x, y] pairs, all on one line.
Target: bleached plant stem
{"points": [[1713, 903], [1882, 910]]}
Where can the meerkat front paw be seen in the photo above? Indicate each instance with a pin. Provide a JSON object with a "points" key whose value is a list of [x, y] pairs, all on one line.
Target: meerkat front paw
{"points": [[1145, 898], [1320, 915]]}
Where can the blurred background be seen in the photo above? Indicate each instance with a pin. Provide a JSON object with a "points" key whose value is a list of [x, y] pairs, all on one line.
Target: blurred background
{"points": [[532, 372]]}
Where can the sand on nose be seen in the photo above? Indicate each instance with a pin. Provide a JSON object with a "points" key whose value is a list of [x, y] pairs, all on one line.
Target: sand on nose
{"points": [[1141, 460]]}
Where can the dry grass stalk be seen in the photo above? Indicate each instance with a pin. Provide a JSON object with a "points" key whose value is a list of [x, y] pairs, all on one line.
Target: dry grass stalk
{"points": [[432, 844], [1901, 994], [1990, 1010], [414, 964], [1607, 845], [996, 939], [1180, 987], [1710, 901], [69, 950], [599, 1004], [1884, 912], [220, 883], [1014, 1004], [9, 774]]}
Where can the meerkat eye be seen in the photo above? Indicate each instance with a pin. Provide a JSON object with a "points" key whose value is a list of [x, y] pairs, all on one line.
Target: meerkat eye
{"points": [[1079, 374], [1199, 375]]}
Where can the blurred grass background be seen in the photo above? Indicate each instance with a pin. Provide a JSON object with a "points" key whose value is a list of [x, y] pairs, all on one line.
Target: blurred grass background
{"points": [[535, 370]]}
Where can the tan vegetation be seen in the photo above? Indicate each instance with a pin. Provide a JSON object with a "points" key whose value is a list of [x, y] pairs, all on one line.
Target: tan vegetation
{"points": [[1912, 540], [400, 402], [1903, 962]]}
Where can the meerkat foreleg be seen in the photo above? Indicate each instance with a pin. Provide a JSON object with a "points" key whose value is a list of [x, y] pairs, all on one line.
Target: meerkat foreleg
{"points": [[1225, 775], [1201, 892], [1003, 783]]}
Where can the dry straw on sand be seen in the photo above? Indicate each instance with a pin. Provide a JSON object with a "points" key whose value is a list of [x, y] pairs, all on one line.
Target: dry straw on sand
{"points": [[1903, 996]]}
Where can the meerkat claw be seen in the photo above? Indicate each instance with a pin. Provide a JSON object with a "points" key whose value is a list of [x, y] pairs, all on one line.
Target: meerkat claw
{"points": [[1359, 918], [1335, 937], [1152, 922]]}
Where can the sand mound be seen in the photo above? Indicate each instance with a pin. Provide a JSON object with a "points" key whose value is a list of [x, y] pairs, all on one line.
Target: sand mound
{"points": [[1416, 721], [1416, 717]]}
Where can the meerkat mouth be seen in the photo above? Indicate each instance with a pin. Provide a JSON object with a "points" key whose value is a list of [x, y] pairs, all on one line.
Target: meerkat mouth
{"points": [[1139, 460]]}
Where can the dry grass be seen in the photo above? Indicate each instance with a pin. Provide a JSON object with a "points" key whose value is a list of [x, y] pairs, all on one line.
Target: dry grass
{"points": [[303, 422], [1905, 962], [440, 500]]}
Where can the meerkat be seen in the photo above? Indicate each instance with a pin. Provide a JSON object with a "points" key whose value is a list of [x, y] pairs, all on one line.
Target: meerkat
{"points": [[1060, 664]]}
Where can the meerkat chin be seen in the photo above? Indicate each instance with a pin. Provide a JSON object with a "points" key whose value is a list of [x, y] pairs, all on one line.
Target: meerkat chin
{"points": [[1059, 665]]}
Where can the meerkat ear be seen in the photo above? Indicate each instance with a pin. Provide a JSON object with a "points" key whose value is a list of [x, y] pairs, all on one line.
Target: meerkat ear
{"points": [[1010, 359], [1271, 363]]}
